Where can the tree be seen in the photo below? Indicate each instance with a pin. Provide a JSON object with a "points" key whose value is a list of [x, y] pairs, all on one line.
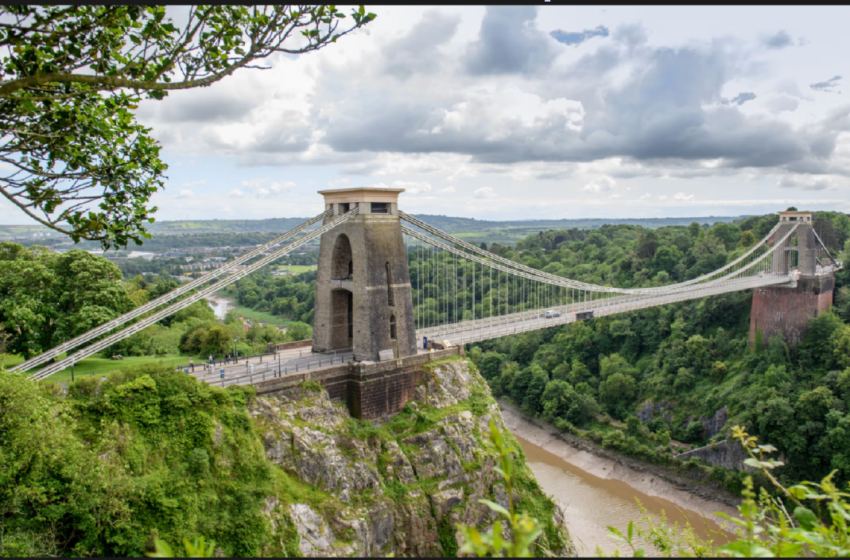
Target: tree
{"points": [[727, 233], [693, 230], [560, 400], [647, 244], [615, 364], [217, 340], [618, 392], [299, 331], [491, 364], [814, 405], [747, 239], [75, 158], [48, 298], [531, 403]]}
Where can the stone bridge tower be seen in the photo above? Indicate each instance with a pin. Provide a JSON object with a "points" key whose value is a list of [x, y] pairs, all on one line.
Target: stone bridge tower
{"points": [[786, 311], [363, 293]]}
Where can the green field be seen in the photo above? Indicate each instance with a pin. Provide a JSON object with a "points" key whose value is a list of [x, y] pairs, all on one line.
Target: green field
{"points": [[260, 316], [99, 365], [295, 268], [502, 236]]}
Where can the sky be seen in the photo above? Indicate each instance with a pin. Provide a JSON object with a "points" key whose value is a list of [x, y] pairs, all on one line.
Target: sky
{"points": [[527, 112]]}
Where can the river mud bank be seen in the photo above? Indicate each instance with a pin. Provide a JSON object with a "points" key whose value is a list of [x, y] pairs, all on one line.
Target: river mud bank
{"points": [[704, 497], [220, 304]]}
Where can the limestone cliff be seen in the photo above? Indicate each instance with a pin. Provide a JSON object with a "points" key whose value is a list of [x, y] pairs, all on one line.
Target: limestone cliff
{"points": [[351, 487]]}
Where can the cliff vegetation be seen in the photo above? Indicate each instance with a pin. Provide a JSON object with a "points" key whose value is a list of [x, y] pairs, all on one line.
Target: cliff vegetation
{"points": [[152, 453]]}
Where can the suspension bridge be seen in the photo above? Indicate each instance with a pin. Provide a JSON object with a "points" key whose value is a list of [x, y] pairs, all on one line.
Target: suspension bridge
{"points": [[388, 283]]}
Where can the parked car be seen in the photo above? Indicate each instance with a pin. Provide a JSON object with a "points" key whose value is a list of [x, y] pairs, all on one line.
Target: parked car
{"points": [[552, 313]]}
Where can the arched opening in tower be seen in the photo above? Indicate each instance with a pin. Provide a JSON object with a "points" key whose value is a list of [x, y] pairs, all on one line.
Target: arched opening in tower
{"points": [[342, 264], [393, 334], [342, 319]]}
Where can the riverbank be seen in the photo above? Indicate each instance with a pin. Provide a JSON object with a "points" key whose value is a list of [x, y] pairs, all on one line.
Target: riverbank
{"points": [[705, 498], [220, 304]]}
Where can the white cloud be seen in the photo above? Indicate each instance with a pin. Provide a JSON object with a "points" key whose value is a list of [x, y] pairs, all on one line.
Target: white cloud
{"points": [[186, 193], [805, 184], [278, 188], [601, 184], [599, 120], [484, 192], [447, 190], [236, 193], [410, 187], [194, 183], [254, 183]]}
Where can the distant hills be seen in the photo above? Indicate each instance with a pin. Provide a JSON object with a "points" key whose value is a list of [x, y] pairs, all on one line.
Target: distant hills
{"points": [[462, 225], [504, 232]]}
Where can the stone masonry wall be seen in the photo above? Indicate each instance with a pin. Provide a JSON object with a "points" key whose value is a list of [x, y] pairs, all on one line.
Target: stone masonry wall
{"points": [[370, 390], [787, 311]]}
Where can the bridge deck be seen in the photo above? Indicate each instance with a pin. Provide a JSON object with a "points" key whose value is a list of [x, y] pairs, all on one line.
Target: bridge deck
{"points": [[495, 327]]}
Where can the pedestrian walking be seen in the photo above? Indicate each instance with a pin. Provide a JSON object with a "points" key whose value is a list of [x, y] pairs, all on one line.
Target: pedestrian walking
{"points": [[227, 359], [192, 364], [212, 361]]}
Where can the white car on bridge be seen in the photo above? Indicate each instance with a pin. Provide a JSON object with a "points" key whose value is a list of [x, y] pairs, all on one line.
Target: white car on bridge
{"points": [[551, 314]]}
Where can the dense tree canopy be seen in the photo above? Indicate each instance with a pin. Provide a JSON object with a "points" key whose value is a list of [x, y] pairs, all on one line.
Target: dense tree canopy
{"points": [[679, 364], [75, 158], [47, 298]]}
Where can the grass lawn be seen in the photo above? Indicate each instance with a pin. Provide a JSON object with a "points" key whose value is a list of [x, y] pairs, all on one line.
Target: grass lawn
{"points": [[97, 365], [296, 268], [10, 360], [261, 316]]}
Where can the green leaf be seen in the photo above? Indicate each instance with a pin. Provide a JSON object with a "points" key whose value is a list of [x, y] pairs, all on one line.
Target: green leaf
{"points": [[806, 518], [798, 492], [745, 549]]}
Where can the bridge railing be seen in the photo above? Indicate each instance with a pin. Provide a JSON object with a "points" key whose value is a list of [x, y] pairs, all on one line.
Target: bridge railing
{"points": [[170, 310], [270, 370], [461, 333], [165, 298]]}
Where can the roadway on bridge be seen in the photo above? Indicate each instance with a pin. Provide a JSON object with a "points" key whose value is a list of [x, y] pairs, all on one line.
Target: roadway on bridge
{"points": [[504, 325]]}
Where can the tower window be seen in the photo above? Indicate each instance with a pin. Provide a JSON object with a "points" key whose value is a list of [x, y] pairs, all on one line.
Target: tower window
{"points": [[380, 207], [344, 207], [392, 327]]}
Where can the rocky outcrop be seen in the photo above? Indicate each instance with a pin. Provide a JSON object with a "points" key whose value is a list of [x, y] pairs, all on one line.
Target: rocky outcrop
{"points": [[399, 486], [714, 425], [666, 410], [727, 453]]}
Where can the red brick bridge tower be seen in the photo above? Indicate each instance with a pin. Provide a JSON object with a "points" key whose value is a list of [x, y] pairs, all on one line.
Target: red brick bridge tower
{"points": [[787, 310]]}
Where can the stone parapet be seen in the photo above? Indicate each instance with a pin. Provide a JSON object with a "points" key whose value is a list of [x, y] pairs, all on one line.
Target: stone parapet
{"points": [[370, 390], [271, 347]]}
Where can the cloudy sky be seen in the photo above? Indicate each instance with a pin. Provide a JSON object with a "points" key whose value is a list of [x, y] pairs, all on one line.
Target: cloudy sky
{"points": [[529, 112]]}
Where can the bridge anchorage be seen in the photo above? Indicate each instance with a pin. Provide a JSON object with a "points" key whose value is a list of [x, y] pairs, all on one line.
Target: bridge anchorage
{"points": [[391, 297], [786, 310]]}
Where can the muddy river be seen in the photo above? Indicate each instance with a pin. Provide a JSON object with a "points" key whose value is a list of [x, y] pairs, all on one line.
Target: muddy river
{"points": [[220, 305], [595, 494]]}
